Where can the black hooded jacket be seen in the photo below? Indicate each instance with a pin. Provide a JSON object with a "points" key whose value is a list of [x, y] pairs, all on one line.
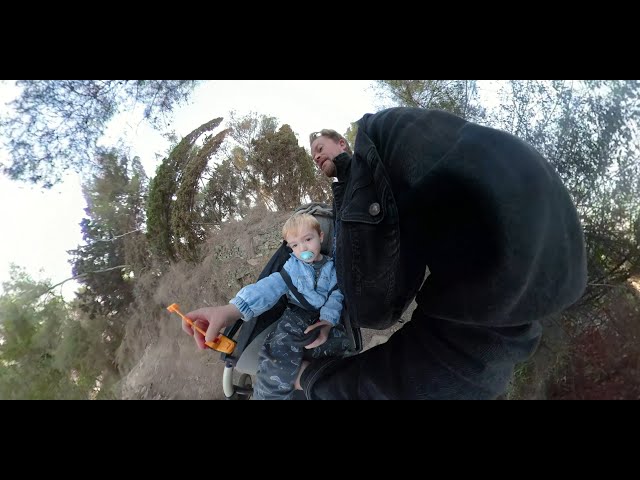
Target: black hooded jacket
{"points": [[488, 216]]}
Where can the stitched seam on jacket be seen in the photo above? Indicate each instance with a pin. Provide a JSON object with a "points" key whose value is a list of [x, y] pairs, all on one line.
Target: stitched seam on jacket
{"points": [[312, 380]]}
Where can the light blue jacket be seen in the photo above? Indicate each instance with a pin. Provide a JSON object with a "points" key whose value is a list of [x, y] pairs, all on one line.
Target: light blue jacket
{"points": [[259, 297]]}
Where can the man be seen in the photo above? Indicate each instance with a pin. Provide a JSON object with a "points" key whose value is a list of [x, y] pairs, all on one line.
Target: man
{"points": [[490, 219]]}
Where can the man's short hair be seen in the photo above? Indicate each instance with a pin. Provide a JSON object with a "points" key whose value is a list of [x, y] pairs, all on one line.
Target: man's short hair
{"points": [[332, 134]]}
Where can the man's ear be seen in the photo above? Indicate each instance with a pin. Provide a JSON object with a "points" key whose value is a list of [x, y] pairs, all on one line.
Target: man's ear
{"points": [[342, 144]]}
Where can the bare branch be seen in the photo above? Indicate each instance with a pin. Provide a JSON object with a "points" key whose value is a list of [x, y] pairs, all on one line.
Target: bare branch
{"points": [[80, 276]]}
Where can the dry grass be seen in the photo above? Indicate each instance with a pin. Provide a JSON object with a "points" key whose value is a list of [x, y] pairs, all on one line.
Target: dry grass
{"points": [[156, 358]]}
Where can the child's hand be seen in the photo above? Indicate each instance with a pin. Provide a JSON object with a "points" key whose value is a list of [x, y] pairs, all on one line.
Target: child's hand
{"points": [[212, 320], [325, 327]]}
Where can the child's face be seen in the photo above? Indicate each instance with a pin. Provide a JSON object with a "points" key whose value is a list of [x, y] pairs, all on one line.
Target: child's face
{"points": [[306, 240]]}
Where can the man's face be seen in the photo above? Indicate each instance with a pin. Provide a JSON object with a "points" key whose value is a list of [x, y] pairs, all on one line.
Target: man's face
{"points": [[324, 150]]}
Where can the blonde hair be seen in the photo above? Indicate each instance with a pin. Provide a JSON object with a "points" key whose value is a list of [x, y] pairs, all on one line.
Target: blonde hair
{"points": [[332, 134], [298, 221]]}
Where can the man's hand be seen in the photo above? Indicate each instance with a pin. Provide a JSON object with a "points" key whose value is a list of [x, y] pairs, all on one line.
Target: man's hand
{"points": [[325, 327]]}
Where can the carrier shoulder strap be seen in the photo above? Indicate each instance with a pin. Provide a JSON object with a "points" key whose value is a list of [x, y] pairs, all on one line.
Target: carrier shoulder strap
{"points": [[303, 301]]}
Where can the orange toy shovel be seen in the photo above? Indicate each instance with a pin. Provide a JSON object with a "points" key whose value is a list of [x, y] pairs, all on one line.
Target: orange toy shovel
{"points": [[220, 343]]}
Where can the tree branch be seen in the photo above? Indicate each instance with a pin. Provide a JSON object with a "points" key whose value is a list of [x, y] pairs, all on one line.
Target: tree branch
{"points": [[117, 236], [80, 276]]}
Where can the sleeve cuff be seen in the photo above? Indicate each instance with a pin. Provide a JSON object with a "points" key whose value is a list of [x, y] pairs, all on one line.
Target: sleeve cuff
{"points": [[245, 310], [328, 318]]}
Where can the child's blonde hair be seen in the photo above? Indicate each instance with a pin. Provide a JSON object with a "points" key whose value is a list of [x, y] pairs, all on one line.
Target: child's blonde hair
{"points": [[299, 221]]}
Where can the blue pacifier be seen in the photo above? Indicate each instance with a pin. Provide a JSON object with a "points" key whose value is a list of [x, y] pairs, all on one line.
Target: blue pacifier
{"points": [[306, 256]]}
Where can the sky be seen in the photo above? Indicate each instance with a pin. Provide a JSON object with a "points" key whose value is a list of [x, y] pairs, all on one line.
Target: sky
{"points": [[41, 225]]}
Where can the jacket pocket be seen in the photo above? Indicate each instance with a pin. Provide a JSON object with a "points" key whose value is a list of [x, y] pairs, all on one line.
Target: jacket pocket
{"points": [[368, 250], [369, 257], [363, 205], [368, 198]]}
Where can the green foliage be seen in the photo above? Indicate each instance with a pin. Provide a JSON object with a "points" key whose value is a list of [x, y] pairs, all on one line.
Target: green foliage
{"points": [[456, 96], [55, 124], [262, 164], [184, 214], [220, 199], [284, 169], [47, 350], [162, 188], [172, 212], [588, 131], [351, 133], [115, 197], [320, 188], [243, 133]]}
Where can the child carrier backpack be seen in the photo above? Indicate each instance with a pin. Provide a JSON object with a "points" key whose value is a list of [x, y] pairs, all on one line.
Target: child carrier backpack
{"points": [[250, 335]]}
